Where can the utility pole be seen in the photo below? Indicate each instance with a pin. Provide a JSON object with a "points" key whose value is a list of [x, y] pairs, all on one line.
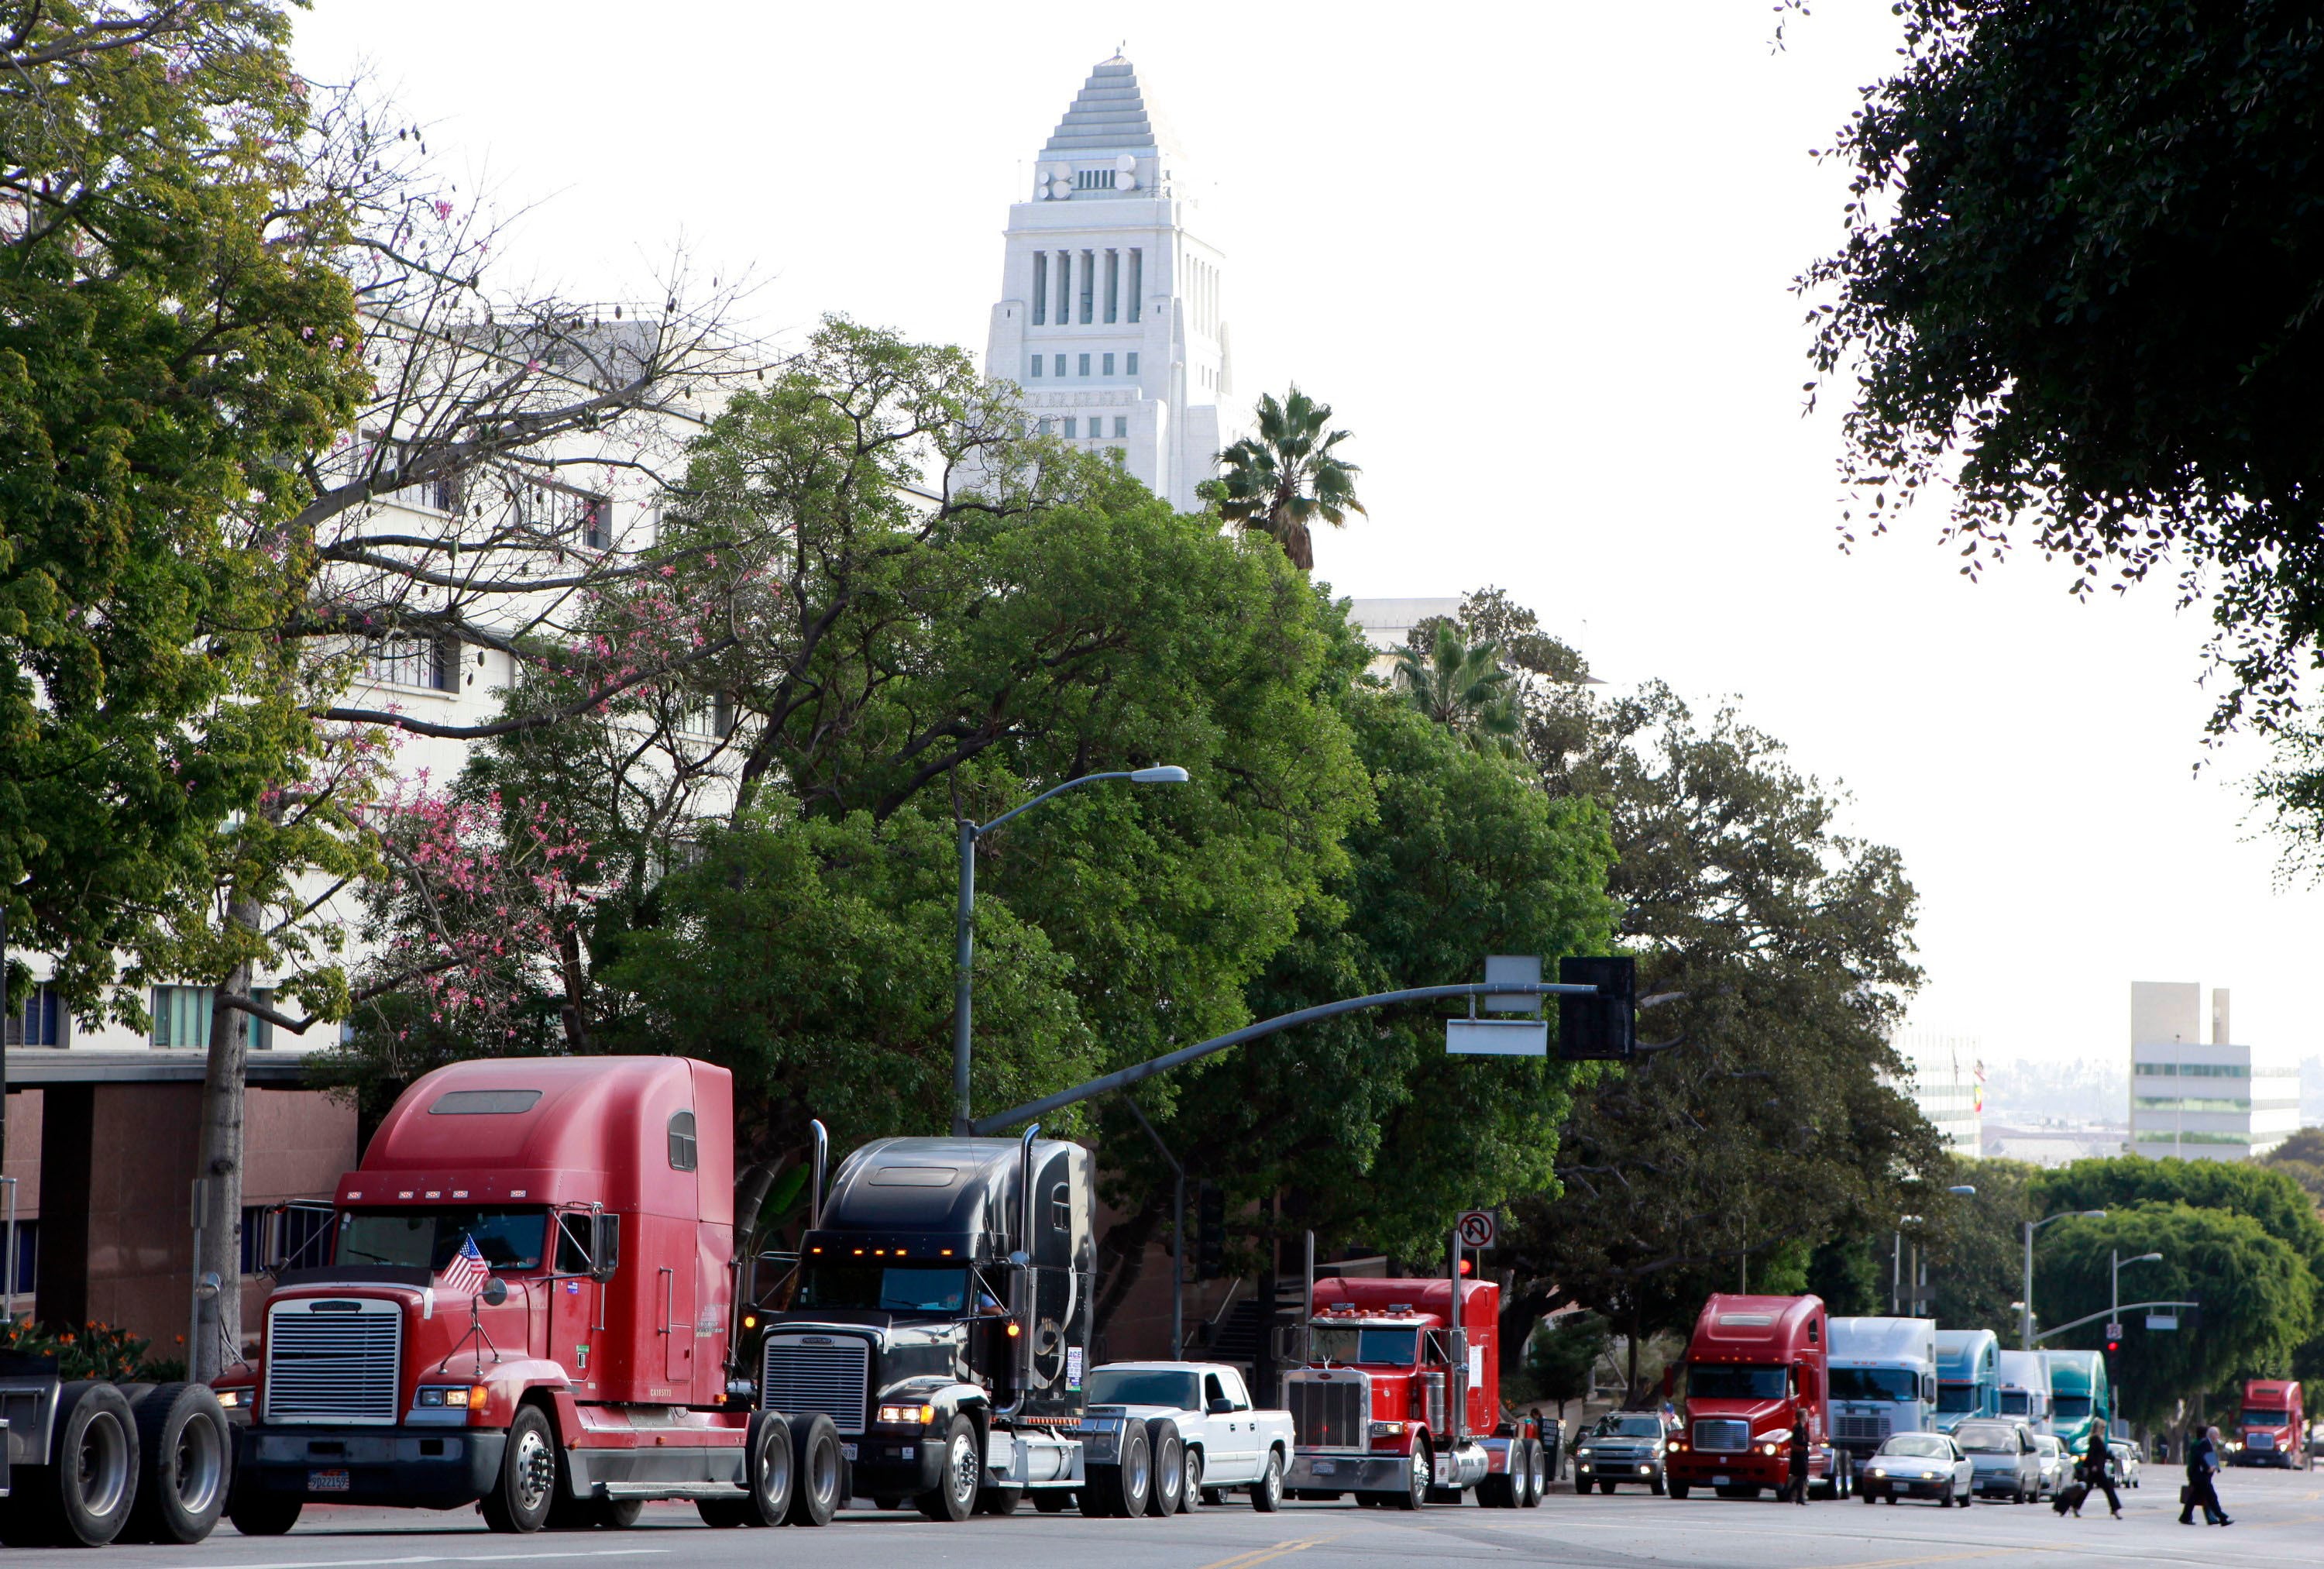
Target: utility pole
{"points": [[2025, 1308]]}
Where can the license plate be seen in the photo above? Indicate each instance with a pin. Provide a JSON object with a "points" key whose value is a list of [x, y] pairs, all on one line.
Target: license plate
{"points": [[848, 1450], [1327, 1467], [1719, 1482], [327, 1482]]}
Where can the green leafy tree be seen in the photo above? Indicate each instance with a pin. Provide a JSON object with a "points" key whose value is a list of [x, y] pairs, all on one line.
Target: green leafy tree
{"points": [[1561, 1355], [2257, 1294], [1290, 475], [1976, 1257], [1461, 686], [2301, 1159], [2029, 293]]}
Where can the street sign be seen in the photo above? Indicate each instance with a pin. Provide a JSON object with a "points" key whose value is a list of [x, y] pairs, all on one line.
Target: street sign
{"points": [[1496, 1036], [1476, 1229], [2162, 1321], [1523, 969], [2114, 1331]]}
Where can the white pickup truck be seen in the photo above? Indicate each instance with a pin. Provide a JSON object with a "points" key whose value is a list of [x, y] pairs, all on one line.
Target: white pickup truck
{"points": [[1200, 1414]]}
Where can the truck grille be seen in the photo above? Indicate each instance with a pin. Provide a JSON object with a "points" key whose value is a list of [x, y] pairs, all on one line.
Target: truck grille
{"points": [[1723, 1435], [1328, 1415], [1872, 1430], [817, 1372], [334, 1360]]}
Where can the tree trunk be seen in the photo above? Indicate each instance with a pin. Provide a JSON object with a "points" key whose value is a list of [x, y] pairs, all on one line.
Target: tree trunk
{"points": [[568, 963], [218, 1322], [1630, 1379], [1263, 1366]]}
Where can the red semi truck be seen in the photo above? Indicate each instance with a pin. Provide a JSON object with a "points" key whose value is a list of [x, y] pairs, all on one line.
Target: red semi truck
{"points": [[575, 1364], [1398, 1399], [2274, 1426], [1754, 1366]]}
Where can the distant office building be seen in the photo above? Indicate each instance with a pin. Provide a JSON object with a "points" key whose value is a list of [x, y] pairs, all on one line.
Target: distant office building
{"points": [[2202, 1100], [1945, 1076]]}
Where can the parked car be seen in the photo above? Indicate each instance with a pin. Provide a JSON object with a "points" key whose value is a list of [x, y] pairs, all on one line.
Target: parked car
{"points": [[2122, 1454], [2055, 1465], [1916, 1465], [2003, 1455], [1226, 1444], [1625, 1446]]}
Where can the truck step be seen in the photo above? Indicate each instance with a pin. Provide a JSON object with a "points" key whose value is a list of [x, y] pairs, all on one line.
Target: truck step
{"points": [[670, 1489]]}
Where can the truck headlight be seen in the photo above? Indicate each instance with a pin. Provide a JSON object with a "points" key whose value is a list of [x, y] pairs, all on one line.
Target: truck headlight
{"points": [[1584, 1452], [1767, 1449], [464, 1396], [909, 1415], [229, 1398], [1388, 1429]]}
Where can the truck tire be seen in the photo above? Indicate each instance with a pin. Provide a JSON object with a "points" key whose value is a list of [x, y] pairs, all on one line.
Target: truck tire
{"points": [[1501, 1491], [83, 1497], [185, 1464], [1678, 1490], [1000, 1501], [525, 1491], [1266, 1493], [1191, 1495], [768, 1477], [954, 1496], [265, 1514], [1119, 1490], [1417, 1476], [1167, 1496], [817, 1482], [1052, 1500]]}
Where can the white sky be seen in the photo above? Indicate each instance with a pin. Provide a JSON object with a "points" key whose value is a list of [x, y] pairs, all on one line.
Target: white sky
{"points": [[1537, 257]]}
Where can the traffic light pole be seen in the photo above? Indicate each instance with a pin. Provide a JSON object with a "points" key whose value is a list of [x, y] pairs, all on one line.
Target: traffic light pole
{"points": [[2094, 1317]]}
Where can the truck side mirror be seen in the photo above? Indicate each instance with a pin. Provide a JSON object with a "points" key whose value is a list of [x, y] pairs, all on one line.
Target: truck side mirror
{"points": [[604, 1247], [495, 1293], [1220, 1406]]}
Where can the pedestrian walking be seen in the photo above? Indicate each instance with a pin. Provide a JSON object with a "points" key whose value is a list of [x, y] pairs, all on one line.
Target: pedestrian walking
{"points": [[2097, 1471], [1799, 1460], [2202, 1464]]}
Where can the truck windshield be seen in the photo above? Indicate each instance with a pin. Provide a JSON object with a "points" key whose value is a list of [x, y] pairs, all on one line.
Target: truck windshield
{"points": [[425, 1239], [1956, 1397], [1875, 1384], [2015, 1403], [1383, 1347], [1733, 1381], [1143, 1387], [2257, 1418], [885, 1288], [2072, 1408]]}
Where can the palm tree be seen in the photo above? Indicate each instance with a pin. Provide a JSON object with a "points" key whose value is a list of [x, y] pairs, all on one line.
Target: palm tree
{"points": [[1463, 687], [1284, 478]]}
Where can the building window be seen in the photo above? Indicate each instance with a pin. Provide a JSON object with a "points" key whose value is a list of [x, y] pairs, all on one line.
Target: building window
{"points": [[304, 1243], [1130, 367], [413, 662], [1112, 283], [681, 1141], [443, 492], [710, 715], [1084, 363], [1121, 426], [28, 1257], [1060, 366], [1036, 365], [181, 1018], [1072, 428], [1040, 295], [1089, 285], [1109, 364], [39, 1018], [1094, 179], [1136, 289]]}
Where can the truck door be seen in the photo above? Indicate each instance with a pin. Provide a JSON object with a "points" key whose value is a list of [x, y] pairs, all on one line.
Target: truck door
{"points": [[674, 1284], [576, 1304]]}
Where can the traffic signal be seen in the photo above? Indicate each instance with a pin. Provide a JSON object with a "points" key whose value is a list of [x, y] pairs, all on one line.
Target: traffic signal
{"points": [[1604, 1028], [1210, 1231], [2114, 1344]]}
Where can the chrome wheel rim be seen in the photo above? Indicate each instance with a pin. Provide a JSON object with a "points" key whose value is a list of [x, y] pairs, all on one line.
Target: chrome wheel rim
{"points": [[535, 1472], [1420, 1475], [963, 1468], [101, 1465], [200, 1466], [1193, 1485], [1137, 1472], [774, 1474]]}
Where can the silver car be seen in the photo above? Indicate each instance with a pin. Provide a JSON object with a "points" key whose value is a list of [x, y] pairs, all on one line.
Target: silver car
{"points": [[1922, 1466], [2126, 1462], [2054, 1464], [2003, 1455]]}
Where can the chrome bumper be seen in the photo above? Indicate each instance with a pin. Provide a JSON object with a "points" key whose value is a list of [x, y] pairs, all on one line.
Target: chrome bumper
{"points": [[1348, 1473]]}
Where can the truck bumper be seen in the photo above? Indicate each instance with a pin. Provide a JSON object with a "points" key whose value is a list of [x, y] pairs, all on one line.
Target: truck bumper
{"points": [[1696, 1469], [437, 1468], [897, 1467], [1348, 1473]]}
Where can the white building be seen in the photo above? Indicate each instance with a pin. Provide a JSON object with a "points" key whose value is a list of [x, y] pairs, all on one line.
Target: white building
{"points": [[1113, 316], [2199, 1100], [1944, 1075]]}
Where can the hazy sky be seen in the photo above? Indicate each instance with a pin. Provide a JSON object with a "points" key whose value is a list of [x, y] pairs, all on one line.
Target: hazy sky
{"points": [[1537, 258]]}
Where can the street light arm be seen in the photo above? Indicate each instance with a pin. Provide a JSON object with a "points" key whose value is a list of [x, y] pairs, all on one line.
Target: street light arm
{"points": [[980, 829]]}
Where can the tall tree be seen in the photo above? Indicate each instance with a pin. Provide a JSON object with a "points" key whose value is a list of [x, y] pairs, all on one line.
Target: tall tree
{"points": [[2079, 287], [1462, 687], [1282, 481]]}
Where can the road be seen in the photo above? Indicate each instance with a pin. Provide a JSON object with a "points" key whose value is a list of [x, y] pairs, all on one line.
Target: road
{"points": [[2278, 1515]]}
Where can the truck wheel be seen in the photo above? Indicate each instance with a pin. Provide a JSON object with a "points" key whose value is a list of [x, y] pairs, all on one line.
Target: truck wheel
{"points": [[1581, 1483], [617, 1514], [1417, 1476], [265, 1514], [1120, 1490], [1537, 1475], [954, 1496], [184, 1461], [1168, 1493], [520, 1498], [999, 1501], [768, 1478], [815, 1468], [1191, 1496], [1266, 1493], [1655, 1484], [1052, 1500], [1605, 1487], [1678, 1490], [84, 1496]]}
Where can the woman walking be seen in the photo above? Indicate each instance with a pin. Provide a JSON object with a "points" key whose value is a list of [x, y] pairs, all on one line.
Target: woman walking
{"points": [[2202, 1462], [2097, 1469], [1799, 1467]]}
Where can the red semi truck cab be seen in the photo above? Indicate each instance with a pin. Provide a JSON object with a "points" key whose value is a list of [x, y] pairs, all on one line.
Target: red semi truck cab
{"points": [[1754, 1366], [582, 1368], [2273, 1425], [1391, 1403]]}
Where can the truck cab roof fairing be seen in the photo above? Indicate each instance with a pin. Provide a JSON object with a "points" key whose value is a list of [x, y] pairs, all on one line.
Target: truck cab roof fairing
{"points": [[963, 1189], [1740, 1327], [597, 1131]]}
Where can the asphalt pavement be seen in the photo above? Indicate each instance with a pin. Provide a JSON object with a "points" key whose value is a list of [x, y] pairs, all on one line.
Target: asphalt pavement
{"points": [[2279, 1519]]}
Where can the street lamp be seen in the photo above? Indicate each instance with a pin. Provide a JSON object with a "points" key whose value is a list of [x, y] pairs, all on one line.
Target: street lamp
{"points": [[2025, 1308], [2115, 1317], [964, 933]]}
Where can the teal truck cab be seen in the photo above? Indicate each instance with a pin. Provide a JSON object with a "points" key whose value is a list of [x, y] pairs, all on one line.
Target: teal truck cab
{"points": [[2079, 1395], [1969, 1376]]}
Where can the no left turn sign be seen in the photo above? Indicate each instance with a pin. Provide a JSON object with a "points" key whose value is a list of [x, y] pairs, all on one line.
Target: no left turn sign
{"points": [[1476, 1229]]}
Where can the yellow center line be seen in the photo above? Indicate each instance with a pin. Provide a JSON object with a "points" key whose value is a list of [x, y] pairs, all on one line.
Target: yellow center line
{"points": [[1266, 1555]]}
